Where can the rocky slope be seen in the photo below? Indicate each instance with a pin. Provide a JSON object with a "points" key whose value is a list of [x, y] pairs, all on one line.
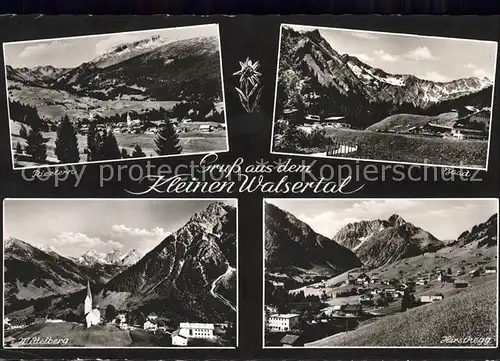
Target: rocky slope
{"points": [[481, 235], [379, 242], [342, 84], [291, 244]]}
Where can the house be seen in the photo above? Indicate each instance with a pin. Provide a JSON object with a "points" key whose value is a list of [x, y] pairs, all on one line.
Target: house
{"points": [[422, 282], [178, 339], [150, 326], [283, 322], [121, 318], [352, 310], [431, 298], [290, 340], [196, 330], [474, 273], [375, 280], [152, 317], [123, 326], [460, 284], [271, 309], [350, 280], [490, 269], [362, 279], [205, 128], [367, 297], [443, 277]]}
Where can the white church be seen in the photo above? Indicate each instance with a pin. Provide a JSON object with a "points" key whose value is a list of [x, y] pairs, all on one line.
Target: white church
{"points": [[92, 315]]}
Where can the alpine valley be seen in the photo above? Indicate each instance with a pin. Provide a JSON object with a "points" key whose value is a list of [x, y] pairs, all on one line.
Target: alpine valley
{"points": [[190, 276], [378, 282]]}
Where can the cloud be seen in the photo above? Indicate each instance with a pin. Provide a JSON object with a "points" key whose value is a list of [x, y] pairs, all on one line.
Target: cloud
{"points": [[43, 49], [385, 56], [365, 36], [435, 76], [363, 57], [71, 242], [470, 66], [420, 53], [479, 72], [144, 239], [112, 41]]}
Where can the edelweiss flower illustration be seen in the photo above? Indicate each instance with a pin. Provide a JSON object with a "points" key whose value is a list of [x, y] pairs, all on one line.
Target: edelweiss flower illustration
{"points": [[249, 84]]}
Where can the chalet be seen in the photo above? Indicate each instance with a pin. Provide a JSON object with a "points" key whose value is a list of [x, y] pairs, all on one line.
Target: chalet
{"points": [[271, 309], [123, 326], [178, 339], [352, 310], [465, 133], [474, 273], [290, 340], [121, 318], [206, 128], [350, 280], [150, 326], [460, 284], [196, 330], [367, 297], [445, 278], [422, 281], [490, 269], [431, 298], [362, 279], [152, 317], [375, 280]]}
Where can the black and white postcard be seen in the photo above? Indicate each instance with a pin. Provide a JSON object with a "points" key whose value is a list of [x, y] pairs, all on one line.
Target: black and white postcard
{"points": [[388, 97], [381, 273], [107, 273], [115, 96]]}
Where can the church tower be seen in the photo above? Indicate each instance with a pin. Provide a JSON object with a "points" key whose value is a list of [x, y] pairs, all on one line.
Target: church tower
{"points": [[88, 301], [129, 121]]}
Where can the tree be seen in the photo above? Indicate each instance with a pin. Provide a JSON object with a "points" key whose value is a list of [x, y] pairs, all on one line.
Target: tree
{"points": [[110, 313], [19, 148], [36, 146], [109, 149], [449, 271], [167, 140], [94, 143], [124, 153], [66, 142], [138, 153], [22, 132]]}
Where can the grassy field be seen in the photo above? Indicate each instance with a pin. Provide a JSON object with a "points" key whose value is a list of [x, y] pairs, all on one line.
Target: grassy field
{"points": [[402, 122], [411, 149], [192, 141], [468, 314]]}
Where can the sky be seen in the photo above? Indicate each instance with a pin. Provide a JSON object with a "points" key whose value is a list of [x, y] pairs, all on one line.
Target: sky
{"points": [[431, 58], [73, 51], [73, 227], [445, 219]]}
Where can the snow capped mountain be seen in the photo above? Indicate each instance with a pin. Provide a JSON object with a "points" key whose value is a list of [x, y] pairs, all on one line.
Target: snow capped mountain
{"points": [[310, 66], [114, 257]]}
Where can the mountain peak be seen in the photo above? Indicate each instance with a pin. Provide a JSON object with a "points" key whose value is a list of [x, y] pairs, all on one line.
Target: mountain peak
{"points": [[396, 220]]}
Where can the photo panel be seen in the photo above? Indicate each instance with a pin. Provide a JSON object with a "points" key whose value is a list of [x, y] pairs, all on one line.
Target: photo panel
{"points": [[380, 273], [106, 97], [119, 273], [386, 97]]}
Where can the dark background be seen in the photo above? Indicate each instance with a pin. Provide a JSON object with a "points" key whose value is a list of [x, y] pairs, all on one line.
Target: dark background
{"points": [[249, 137]]}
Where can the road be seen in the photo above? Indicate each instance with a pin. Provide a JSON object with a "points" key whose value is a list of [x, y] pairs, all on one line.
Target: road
{"points": [[218, 296]]}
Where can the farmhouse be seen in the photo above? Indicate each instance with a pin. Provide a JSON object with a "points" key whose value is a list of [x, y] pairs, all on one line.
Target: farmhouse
{"points": [[460, 284], [150, 326], [362, 279], [474, 273], [375, 280], [432, 298], [490, 269], [205, 128], [283, 322], [352, 310], [445, 278], [178, 339], [422, 281], [123, 326]]}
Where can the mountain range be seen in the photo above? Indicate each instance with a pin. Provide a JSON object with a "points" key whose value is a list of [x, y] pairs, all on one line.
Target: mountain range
{"points": [[190, 275], [378, 242], [310, 68], [292, 247], [114, 257], [152, 68]]}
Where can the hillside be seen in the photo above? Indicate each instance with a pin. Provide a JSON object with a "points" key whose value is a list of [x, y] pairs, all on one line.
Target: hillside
{"points": [[32, 273], [402, 122], [313, 75], [481, 235], [379, 242], [291, 247], [467, 314]]}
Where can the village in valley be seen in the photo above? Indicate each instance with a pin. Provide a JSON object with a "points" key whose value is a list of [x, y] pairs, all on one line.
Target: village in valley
{"points": [[362, 305]]}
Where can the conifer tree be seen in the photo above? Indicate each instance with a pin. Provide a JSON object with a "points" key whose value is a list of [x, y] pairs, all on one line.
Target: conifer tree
{"points": [[22, 132], [138, 153], [94, 143], [124, 153], [19, 148], [167, 140], [36, 146], [66, 142], [109, 149]]}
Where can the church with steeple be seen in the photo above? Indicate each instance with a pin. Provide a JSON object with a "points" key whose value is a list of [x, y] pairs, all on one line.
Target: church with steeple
{"points": [[92, 315]]}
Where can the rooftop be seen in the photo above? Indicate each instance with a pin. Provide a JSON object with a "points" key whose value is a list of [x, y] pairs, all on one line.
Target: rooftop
{"points": [[208, 326], [285, 315]]}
